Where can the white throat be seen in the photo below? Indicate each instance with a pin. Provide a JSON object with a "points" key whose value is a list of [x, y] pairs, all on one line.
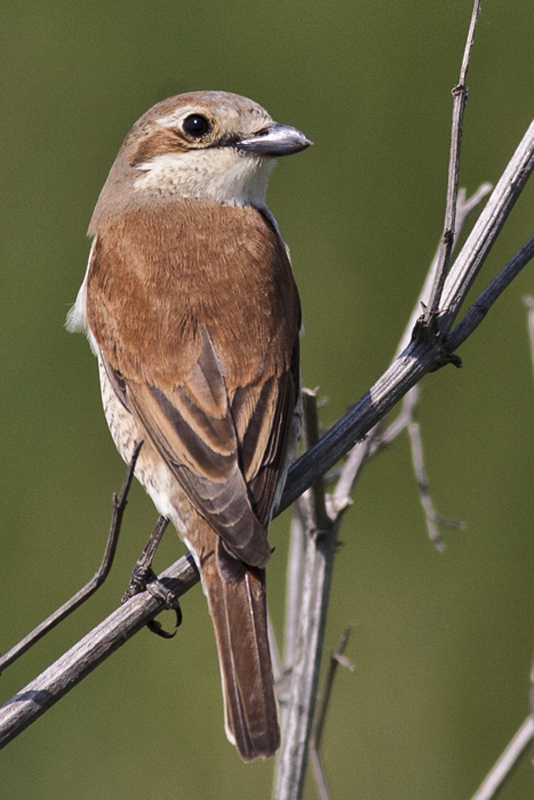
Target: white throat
{"points": [[222, 175]]}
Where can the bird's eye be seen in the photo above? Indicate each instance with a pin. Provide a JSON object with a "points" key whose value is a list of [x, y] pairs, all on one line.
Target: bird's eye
{"points": [[196, 125]]}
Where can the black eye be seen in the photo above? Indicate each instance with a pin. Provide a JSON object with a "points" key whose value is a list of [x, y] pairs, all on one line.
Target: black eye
{"points": [[196, 125]]}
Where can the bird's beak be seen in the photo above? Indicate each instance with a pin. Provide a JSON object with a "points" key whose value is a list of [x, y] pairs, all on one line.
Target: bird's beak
{"points": [[275, 140]]}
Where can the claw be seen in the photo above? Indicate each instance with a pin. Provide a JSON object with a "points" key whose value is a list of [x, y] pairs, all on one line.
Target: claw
{"points": [[158, 590]]}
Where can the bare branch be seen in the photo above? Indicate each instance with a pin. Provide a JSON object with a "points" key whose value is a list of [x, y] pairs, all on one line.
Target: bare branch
{"points": [[493, 291], [293, 755], [61, 613], [418, 358], [297, 697], [351, 469], [320, 544], [431, 515], [278, 670], [39, 695], [414, 432], [465, 207], [320, 517], [295, 566], [529, 303], [379, 438], [486, 229], [336, 658], [447, 242], [507, 762]]}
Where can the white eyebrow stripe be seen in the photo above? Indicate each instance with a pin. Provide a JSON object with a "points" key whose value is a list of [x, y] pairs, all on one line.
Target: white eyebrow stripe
{"points": [[175, 118]]}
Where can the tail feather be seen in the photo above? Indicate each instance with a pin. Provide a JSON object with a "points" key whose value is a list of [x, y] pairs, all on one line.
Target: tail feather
{"points": [[237, 604]]}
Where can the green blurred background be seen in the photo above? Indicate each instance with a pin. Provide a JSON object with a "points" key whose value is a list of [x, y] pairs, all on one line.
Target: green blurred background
{"points": [[442, 642]]}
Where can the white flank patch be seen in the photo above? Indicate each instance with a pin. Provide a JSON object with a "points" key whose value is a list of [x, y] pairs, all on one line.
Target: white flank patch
{"points": [[77, 316]]}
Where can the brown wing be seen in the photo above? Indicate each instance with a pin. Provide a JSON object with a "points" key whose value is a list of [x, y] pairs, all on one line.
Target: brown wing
{"points": [[265, 418], [215, 389]]}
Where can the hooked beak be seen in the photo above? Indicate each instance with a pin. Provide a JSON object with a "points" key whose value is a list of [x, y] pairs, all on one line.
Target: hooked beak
{"points": [[275, 140]]}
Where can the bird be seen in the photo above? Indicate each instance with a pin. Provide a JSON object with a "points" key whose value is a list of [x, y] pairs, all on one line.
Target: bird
{"points": [[190, 304]]}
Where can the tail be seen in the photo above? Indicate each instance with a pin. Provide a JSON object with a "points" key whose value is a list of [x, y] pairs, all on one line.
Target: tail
{"points": [[237, 604]]}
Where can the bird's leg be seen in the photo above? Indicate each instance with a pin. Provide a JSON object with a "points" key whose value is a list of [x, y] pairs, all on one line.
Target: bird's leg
{"points": [[143, 573], [144, 578]]}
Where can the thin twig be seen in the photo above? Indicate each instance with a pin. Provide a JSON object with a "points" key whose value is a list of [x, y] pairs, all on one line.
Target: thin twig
{"points": [[341, 496], [418, 358], [61, 613], [336, 658], [502, 770], [276, 658], [477, 312], [447, 242], [511, 756], [340, 500], [486, 229], [529, 304], [431, 515], [43, 692], [465, 207], [379, 438], [294, 588]]}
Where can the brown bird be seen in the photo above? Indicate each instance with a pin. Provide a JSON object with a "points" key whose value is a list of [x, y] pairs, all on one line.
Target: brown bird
{"points": [[191, 308]]}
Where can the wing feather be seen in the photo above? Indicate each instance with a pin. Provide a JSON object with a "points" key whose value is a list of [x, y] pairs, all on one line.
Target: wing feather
{"points": [[220, 410]]}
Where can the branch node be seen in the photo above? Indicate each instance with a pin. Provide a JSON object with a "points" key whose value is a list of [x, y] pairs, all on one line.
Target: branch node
{"points": [[460, 90], [426, 331], [448, 237]]}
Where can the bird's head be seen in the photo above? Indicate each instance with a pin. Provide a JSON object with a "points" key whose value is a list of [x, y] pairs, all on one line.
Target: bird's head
{"points": [[206, 145]]}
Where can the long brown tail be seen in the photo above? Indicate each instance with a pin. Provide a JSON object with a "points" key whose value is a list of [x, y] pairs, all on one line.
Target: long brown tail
{"points": [[237, 604]]}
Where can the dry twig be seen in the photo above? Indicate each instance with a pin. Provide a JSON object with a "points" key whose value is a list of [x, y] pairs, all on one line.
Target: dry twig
{"points": [[336, 658], [119, 507], [418, 357], [320, 536], [514, 751], [501, 771], [447, 242], [39, 695], [529, 304], [305, 628]]}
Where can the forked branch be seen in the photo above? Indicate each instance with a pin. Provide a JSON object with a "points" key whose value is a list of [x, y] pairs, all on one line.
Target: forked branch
{"points": [[449, 228]]}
